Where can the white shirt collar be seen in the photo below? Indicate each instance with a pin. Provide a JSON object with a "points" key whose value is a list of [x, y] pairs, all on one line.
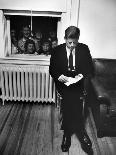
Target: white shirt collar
{"points": [[68, 51]]}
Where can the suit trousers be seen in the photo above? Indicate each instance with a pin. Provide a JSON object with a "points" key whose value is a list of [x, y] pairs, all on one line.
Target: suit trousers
{"points": [[72, 108]]}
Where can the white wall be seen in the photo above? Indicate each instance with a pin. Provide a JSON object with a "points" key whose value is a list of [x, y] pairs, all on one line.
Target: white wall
{"points": [[68, 18], [39, 5], [97, 22]]}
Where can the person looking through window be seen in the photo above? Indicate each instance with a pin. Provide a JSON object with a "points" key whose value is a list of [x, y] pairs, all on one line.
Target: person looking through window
{"points": [[14, 42], [38, 40], [52, 35], [54, 43], [30, 47], [46, 47], [21, 42]]}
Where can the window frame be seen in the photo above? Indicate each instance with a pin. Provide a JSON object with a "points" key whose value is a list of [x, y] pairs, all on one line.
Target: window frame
{"points": [[30, 13]]}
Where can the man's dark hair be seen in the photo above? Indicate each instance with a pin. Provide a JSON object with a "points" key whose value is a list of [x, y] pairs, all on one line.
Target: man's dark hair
{"points": [[72, 32]]}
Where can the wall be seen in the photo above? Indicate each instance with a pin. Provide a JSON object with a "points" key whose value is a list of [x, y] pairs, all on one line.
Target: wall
{"points": [[97, 21], [68, 18], [39, 5]]}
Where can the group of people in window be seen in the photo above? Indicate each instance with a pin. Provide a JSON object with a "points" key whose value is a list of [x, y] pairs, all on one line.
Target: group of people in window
{"points": [[33, 43]]}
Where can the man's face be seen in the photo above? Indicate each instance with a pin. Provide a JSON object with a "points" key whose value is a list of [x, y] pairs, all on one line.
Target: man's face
{"points": [[26, 32], [71, 43]]}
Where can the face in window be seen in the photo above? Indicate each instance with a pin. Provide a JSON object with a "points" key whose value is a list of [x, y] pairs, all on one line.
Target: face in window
{"points": [[38, 36], [71, 43], [30, 48], [46, 46], [54, 43], [26, 32], [52, 34], [13, 37], [13, 33]]}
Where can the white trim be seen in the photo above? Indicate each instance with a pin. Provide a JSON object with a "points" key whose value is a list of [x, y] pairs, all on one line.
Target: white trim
{"points": [[32, 13], [21, 59]]}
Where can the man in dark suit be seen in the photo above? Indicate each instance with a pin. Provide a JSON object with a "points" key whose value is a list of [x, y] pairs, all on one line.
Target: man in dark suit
{"points": [[72, 60]]}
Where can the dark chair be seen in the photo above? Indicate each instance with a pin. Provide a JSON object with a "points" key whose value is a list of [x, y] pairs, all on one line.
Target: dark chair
{"points": [[103, 97], [85, 102]]}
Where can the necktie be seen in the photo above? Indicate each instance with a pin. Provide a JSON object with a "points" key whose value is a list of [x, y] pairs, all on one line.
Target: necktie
{"points": [[71, 61]]}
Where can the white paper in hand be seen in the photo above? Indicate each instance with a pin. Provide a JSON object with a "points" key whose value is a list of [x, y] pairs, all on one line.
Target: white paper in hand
{"points": [[74, 80]]}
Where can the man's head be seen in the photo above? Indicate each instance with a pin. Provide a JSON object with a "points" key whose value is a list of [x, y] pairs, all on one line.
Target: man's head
{"points": [[71, 37], [26, 32]]}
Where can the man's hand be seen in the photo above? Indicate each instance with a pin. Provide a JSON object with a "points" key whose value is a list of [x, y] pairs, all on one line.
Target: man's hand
{"points": [[63, 78], [79, 76]]}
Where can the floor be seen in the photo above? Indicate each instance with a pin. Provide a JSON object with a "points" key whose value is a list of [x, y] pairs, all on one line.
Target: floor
{"points": [[34, 129]]}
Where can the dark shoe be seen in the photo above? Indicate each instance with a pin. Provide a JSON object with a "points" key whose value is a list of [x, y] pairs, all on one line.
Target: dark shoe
{"points": [[86, 143], [66, 143]]}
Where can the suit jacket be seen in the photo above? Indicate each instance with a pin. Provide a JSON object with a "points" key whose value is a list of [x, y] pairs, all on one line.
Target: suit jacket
{"points": [[59, 62]]}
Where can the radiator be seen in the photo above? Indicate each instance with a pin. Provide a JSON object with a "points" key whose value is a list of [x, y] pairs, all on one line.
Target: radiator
{"points": [[26, 83]]}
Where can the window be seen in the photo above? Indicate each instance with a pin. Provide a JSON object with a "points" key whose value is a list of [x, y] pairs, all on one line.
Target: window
{"points": [[40, 30]]}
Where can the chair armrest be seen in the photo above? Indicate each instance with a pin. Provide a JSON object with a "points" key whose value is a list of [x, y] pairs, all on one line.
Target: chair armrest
{"points": [[100, 92]]}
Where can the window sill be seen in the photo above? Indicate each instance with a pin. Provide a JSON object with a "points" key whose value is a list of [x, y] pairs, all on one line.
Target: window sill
{"points": [[26, 59]]}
